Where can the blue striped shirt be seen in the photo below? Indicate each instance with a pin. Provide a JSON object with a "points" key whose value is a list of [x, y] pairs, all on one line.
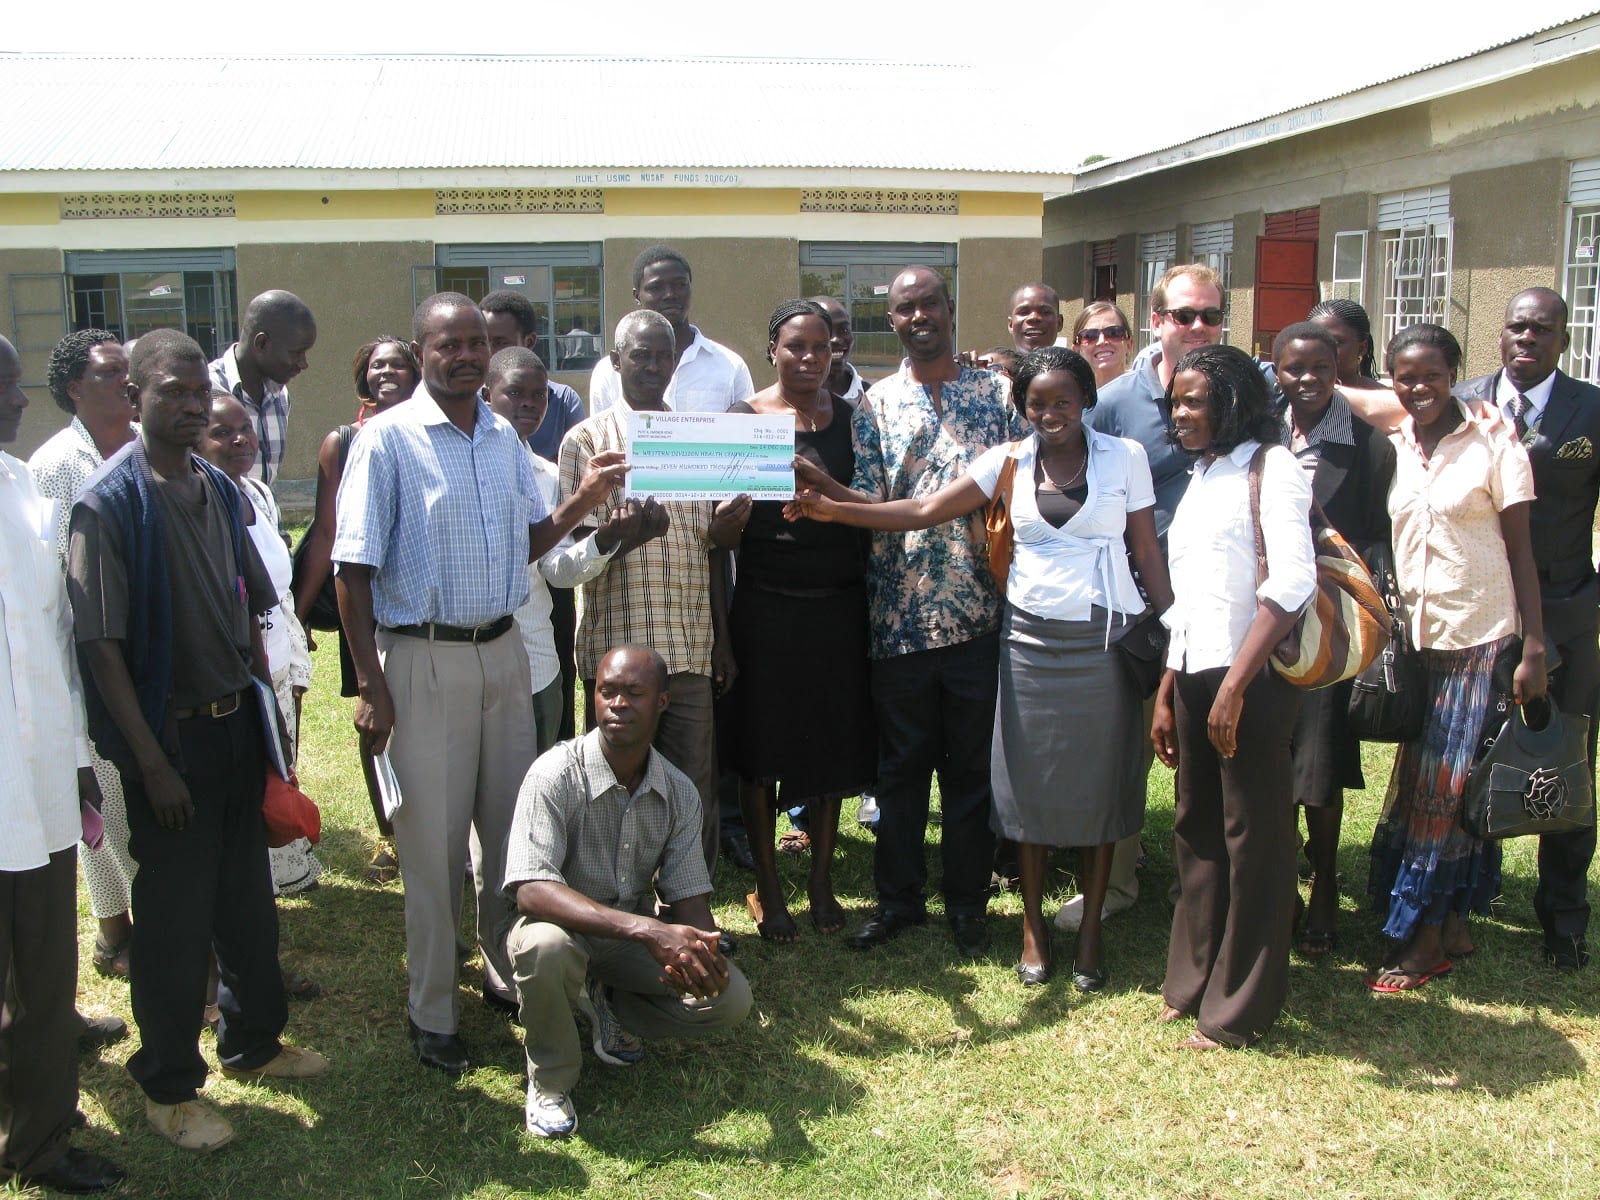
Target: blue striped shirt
{"points": [[440, 517]]}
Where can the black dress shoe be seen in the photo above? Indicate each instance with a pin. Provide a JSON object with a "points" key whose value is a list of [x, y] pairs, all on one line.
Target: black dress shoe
{"points": [[504, 1005], [883, 925], [1033, 975], [98, 1032], [442, 1051], [972, 935], [77, 1172], [1089, 979], [736, 849]]}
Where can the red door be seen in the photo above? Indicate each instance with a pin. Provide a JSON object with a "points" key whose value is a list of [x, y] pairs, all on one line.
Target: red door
{"points": [[1286, 285]]}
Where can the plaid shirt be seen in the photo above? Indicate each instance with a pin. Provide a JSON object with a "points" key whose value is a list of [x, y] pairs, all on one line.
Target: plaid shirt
{"points": [[442, 518], [270, 414], [576, 825], [658, 595]]}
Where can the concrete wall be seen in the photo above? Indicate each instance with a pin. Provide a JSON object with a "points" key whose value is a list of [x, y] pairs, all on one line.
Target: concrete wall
{"points": [[33, 337], [357, 291], [988, 271]]}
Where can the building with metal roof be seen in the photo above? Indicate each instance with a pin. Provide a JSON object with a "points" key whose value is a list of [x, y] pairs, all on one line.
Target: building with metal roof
{"points": [[362, 183], [1432, 196]]}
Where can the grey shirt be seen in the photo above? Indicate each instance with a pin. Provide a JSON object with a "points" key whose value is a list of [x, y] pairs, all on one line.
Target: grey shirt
{"points": [[576, 825]]}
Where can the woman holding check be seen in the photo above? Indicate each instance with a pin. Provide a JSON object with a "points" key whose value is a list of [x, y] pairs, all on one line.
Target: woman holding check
{"points": [[1067, 762]]}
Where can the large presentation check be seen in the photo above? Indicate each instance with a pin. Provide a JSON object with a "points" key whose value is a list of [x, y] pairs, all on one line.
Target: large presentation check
{"points": [[710, 456]]}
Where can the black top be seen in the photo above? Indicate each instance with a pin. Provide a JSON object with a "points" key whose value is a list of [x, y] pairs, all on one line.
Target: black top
{"points": [[806, 555]]}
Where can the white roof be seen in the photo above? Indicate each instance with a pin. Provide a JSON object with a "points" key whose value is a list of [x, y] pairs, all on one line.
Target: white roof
{"points": [[68, 113]]}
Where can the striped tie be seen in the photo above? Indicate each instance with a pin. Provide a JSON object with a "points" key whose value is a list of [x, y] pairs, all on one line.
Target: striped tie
{"points": [[1519, 414]]}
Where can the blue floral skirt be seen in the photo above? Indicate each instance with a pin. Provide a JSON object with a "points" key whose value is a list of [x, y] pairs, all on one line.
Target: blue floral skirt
{"points": [[1425, 865]]}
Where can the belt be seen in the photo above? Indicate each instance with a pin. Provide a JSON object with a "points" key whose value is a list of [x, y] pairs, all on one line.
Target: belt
{"points": [[222, 706], [434, 632]]}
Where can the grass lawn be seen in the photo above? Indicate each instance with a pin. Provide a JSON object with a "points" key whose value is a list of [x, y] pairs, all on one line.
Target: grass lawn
{"points": [[906, 1071]]}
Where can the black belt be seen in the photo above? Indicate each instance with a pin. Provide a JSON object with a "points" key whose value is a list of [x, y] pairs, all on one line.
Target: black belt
{"points": [[434, 632], [222, 706]]}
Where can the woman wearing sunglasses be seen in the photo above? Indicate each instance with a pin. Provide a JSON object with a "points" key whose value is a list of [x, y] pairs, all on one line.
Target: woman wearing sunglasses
{"points": [[1103, 336]]}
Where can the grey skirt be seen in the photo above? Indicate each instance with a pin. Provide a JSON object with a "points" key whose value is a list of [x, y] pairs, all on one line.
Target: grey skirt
{"points": [[1067, 763]]}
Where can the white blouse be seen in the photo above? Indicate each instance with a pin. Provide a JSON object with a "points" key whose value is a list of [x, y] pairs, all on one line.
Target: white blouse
{"points": [[1060, 573], [1211, 555]]}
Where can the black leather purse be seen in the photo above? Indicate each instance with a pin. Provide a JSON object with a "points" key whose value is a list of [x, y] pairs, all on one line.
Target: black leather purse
{"points": [[1532, 780], [1389, 700], [1143, 650]]}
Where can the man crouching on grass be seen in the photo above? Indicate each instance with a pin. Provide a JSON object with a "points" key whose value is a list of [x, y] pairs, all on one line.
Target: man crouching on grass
{"points": [[596, 819]]}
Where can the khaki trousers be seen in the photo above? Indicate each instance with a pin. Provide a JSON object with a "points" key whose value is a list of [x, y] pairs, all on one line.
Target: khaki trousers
{"points": [[463, 739], [552, 966]]}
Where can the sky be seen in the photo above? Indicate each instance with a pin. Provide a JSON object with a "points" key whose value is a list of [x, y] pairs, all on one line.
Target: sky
{"points": [[1089, 75]]}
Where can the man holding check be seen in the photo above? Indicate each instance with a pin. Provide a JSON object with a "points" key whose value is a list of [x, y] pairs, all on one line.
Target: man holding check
{"points": [[660, 595]]}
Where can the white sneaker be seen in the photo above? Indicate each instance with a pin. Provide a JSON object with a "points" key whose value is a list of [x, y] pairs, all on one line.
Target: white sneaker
{"points": [[550, 1114], [612, 1043], [867, 811], [1071, 915]]}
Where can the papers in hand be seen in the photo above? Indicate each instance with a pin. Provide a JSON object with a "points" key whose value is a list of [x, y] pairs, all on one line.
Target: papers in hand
{"points": [[388, 785]]}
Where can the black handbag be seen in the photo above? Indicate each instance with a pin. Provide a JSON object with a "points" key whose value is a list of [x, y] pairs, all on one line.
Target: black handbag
{"points": [[1389, 700], [1143, 650], [324, 614], [1532, 780]]}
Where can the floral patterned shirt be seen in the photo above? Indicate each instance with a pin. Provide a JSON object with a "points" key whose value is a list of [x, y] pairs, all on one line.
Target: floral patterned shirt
{"points": [[929, 588]]}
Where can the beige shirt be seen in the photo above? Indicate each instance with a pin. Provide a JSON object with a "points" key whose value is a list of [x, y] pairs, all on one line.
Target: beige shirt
{"points": [[1455, 577]]}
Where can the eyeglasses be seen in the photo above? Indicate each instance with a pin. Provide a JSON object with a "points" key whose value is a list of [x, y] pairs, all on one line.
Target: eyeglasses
{"points": [[1186, 316], [1115, 333]]}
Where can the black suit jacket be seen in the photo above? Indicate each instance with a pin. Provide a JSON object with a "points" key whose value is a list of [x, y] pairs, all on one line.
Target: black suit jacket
{"points": [[1565, 453], [1352, 485]]}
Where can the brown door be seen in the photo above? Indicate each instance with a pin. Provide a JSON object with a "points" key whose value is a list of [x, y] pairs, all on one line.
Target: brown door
{"points": [[1286, 285]]}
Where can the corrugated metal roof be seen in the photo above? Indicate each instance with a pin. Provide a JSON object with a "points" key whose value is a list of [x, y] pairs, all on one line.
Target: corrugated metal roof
{"points": [[103, 113], [1162, 154]]}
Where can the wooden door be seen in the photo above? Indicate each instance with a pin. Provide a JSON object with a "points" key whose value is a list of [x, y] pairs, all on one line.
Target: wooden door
{"points": [[1286, 285]]}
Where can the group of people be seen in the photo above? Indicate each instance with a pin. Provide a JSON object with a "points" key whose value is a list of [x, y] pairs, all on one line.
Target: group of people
{"points": [[739, 657]]}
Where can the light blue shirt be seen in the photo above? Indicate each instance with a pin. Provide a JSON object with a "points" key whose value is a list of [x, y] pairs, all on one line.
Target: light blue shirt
{"points": [[442, 518]]}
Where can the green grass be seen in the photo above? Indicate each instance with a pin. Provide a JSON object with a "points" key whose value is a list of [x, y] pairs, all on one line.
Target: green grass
{"points": [[906, 1071]]}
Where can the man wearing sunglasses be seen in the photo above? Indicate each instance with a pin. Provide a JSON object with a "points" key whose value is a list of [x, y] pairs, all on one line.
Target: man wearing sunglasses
{"points": [[1185, 313]]}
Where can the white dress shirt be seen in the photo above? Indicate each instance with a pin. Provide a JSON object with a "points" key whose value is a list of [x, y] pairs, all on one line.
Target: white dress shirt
{"points": [[1211, 554], [566, 564], [1537, 396], [41, 704], [709, 378]]}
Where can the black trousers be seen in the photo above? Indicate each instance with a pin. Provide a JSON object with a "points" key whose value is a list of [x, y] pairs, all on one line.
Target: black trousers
{"points": [[205, 887], [1561, 900], [935, 712], [1234, 846], [38, 1015], [564, 625]]}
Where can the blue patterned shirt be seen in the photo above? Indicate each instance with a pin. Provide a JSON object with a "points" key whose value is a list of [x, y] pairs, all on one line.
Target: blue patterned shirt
{"points": [[929, 588], [440, 517]]}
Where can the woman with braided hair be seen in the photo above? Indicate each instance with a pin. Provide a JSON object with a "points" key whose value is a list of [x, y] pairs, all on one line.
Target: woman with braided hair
{"points": [[1351, 328], [799, 716]]}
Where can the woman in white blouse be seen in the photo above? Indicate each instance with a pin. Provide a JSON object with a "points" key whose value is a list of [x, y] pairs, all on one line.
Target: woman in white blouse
{"points": [[1066, 766], [1223, 718]]}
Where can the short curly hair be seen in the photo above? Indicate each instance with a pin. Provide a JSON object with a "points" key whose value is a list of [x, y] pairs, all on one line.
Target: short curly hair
{"points": [[69, 360]]}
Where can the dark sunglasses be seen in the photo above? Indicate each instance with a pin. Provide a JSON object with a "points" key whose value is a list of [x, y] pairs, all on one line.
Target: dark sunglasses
{"points": [[1115, 332], [1185, 316]]}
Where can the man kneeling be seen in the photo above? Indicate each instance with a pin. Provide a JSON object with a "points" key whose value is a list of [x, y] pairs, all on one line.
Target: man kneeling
{"points": [[596, 819]]}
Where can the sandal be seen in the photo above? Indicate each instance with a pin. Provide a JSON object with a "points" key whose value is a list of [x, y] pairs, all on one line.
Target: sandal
{"points": [[385, 865], [1199, 1041], [796, 842], [1317, 943], [111, 961], [752, 901], [1397, 979]]}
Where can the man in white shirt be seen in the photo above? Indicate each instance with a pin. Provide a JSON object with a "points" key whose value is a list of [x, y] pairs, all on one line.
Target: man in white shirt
{"points": [[708, 377], [40, 792]]}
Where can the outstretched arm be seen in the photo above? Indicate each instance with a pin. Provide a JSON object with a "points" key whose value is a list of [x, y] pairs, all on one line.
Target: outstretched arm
{"points": [[949, 502]]}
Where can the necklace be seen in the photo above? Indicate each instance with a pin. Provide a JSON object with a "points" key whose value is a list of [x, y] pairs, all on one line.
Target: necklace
{"points": [[811, 421], [1076, 476]]}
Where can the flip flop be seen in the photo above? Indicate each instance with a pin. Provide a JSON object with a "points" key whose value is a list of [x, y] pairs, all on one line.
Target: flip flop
{"points": [[1410, 980], [796, 842]]}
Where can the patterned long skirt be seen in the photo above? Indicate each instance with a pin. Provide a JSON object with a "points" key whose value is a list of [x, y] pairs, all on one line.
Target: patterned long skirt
{"points": [[1424, 864]]}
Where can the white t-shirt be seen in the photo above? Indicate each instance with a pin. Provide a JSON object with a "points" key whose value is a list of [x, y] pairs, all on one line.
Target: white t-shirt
{"points": [[1060, 573]]}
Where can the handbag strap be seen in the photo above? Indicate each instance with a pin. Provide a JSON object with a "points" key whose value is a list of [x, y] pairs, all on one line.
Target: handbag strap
{"points": [[999, 513], [1257, 461]]}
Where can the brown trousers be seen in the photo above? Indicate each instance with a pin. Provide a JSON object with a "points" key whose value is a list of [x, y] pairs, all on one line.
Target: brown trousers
{"points": [[1234, 847], [38, 1016]]}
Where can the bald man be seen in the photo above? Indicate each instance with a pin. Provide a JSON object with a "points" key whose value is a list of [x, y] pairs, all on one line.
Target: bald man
{"points": [[275, 336]]}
